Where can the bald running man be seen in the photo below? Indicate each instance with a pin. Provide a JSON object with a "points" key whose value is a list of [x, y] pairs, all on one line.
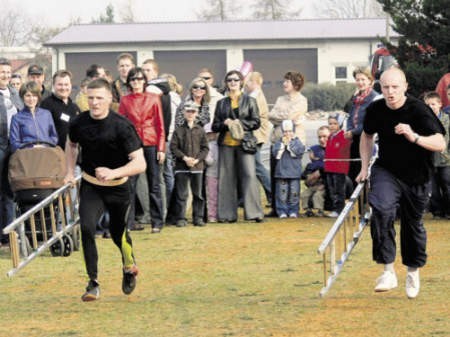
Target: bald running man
{"points": [[408, 134]]}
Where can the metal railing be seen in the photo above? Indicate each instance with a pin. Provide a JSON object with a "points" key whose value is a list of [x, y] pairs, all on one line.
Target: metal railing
{"points": [[344, 235], [51, 224]]}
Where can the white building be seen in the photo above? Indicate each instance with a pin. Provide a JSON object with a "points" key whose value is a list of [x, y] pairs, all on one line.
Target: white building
{"points": [[324, 50]]}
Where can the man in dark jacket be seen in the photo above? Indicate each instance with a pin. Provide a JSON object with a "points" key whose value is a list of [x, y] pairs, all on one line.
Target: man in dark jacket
{"points": [[60, 104], [10, 103], [162, 88]]}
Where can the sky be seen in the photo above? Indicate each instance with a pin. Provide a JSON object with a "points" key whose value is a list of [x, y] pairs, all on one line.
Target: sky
{"points": [[60, 12]]}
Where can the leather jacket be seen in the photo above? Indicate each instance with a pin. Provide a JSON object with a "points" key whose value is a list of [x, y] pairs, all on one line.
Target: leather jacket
{"points": [[144, 111], [248, 115]]}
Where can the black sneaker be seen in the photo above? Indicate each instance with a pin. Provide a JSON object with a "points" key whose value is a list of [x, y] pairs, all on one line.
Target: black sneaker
{"points": [[129, 279], [199, 223], [92, 292]]}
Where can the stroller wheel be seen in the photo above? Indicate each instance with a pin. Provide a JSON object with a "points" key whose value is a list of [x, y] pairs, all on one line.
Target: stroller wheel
{"points": [[57, 249], [68, 245]]}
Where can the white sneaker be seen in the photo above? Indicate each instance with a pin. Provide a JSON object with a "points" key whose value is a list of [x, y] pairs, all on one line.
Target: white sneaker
{"points": [[333, 214], [283, 216], [386, 281], [412, 284]]}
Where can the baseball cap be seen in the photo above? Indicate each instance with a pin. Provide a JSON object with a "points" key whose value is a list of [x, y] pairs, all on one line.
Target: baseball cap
{"points": [[35, 69], [190, 107]]}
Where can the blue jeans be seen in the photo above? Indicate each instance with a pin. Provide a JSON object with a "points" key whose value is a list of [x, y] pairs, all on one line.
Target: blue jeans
{"points": [[167, 181], [287, 196], [262, 174], [153, 179]]}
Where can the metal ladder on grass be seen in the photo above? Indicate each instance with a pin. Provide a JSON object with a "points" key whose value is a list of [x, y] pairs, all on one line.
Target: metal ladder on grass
{"points": [[32, 233]]}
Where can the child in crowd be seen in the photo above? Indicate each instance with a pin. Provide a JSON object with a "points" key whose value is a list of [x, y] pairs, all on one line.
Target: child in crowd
{"points": [[288, 171], [313, 175], [440, 195], [190, 148], [212, 173], [337, 153]]}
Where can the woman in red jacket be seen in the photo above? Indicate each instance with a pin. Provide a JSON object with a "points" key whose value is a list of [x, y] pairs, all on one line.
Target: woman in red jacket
{"points": [[144, 110]]}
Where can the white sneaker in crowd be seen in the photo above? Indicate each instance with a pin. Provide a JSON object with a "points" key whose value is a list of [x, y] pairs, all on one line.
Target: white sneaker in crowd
{"points": [[333, 214], [386, 282], [412, 283]]}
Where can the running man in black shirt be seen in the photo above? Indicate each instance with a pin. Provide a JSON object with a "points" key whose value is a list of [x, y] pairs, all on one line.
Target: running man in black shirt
{"points": [[111, 152], [408, 133]]}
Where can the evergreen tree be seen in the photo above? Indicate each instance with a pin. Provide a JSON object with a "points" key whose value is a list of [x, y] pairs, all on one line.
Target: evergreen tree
{"points": [[423, 51]]}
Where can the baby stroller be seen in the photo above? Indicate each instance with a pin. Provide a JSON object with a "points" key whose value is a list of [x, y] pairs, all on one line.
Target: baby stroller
{"points": [[34, 174]]}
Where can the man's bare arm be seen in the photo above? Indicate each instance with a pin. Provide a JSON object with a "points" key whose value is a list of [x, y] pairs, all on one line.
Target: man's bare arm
{"points": [[366, 146]]}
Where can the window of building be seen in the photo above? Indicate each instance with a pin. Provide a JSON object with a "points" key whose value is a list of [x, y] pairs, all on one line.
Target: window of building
{"points": [[340, 73]]}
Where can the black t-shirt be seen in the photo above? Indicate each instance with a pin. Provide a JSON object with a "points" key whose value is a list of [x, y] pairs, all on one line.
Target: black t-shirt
{"points": [[62, 114], [407, 161], [106, 142]]}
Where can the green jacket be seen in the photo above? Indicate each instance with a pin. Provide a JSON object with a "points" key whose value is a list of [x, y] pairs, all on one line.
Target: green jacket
{"points": [[443, 158]]}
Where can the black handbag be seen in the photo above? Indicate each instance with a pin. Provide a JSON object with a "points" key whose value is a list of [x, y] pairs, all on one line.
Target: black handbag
{"points": [[249, 143]]}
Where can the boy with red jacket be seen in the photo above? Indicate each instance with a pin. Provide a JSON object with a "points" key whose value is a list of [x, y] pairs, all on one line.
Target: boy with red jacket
{"points": [[337, 153]]}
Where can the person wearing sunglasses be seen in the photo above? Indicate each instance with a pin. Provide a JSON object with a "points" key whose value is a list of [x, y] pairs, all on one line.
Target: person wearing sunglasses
{"points": [[144, 110], [235, 165], [207, 75], [198, 95]]}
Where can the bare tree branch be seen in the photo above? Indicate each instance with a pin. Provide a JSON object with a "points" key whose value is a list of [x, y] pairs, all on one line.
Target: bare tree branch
{"points": [[347, 9]]}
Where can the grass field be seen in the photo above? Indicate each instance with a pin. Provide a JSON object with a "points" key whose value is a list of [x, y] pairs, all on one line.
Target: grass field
{"points": [[241, 279]]}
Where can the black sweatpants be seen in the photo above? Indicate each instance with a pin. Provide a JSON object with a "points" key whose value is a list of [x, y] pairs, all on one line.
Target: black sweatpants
{"points": [[388, 195]]}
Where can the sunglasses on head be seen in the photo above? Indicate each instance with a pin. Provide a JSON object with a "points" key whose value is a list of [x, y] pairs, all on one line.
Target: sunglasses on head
{"points": [[206, 78], [202, 87], [140, 78], [233, 79]]}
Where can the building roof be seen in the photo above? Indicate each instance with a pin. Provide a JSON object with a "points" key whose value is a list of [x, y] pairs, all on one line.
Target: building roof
{"points": [[221, 31]]}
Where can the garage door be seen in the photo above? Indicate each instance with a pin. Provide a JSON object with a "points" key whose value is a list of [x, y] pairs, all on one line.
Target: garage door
{"points": [[186, 64], [274, 63]]}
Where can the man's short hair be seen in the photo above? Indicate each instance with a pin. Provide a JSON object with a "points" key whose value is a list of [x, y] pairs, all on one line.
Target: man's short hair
{"points": [[62, 73], [153, 63], [124, 56], [92, 71], [100, 83], [4, 62], [323, 127]]}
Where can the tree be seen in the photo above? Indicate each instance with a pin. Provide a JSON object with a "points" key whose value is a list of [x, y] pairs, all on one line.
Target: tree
{"points": [[127, 13], [423, 51], [14, 26], [347, 9], [218, 10], [108, 17], [275, 10]]}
